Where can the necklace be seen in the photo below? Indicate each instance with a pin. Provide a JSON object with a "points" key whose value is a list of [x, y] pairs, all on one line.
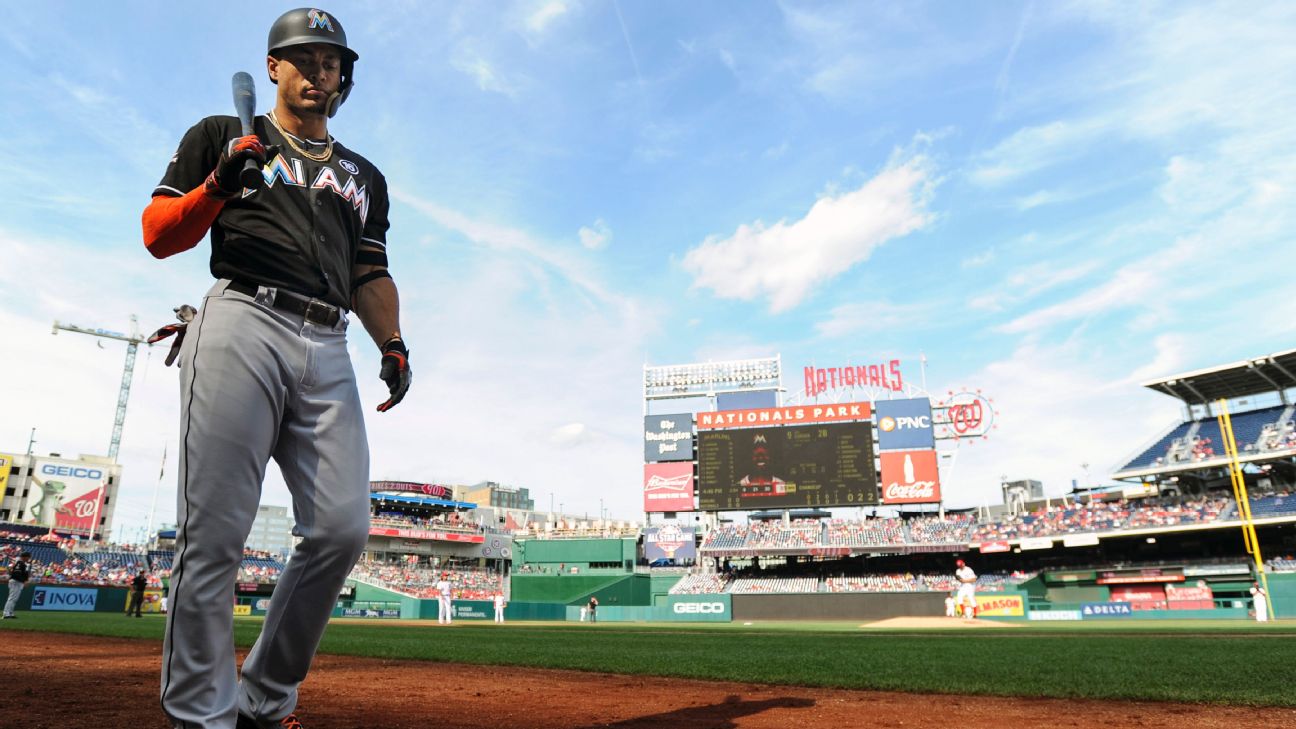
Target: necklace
{"points": [[292, 142]]}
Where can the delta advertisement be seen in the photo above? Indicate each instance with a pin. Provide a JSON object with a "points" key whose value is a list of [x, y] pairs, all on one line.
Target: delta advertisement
{"points": [[910, 477], [669, 542], [668, 487], [905, 424], [1007, 606], [668, 438], [68, 495]]}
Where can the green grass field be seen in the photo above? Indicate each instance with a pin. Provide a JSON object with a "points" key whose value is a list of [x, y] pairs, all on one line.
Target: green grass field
{"points": [[1198, 661]]}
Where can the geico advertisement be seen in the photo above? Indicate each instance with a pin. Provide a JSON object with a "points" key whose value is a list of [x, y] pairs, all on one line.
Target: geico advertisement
{"points": [[1001, 605], [67, 494], [698, 607]]}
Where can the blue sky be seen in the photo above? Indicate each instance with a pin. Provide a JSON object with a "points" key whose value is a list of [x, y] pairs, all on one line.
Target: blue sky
{"points": [[1052, 201]]}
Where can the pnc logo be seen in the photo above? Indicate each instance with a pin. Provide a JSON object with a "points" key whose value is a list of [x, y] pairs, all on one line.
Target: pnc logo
{"points": [[919, 422], [699, 608]]}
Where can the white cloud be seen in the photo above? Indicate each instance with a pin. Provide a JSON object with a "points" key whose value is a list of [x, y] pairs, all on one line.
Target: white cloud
{"points": [[596, 236], [1032, 149], [978, 259], [481, 71], [1057, 407], [786, 260], [1171, 353], [871, 316], [539, 21]]}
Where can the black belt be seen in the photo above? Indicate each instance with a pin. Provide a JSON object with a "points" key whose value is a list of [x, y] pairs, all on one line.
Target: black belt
{"points": [[312, 310]]}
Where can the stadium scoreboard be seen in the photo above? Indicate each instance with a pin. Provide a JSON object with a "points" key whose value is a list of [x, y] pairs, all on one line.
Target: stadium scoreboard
{"points": [[825, 464]]}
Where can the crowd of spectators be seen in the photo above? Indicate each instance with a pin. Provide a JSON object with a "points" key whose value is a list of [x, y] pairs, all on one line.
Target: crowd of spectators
{"points": [[450, 522], [717, 583], [711, 583], [578, 529], [866, 532], [420, 580], [1100, 516], [952, 529], [1281, 564], [759, 585]]}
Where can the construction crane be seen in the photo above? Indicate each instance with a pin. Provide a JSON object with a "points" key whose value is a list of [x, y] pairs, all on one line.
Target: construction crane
{"points": [[133, 340]]}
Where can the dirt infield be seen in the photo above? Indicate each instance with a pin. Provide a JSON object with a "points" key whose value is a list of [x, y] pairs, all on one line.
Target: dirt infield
{"points": [[66, 681]]}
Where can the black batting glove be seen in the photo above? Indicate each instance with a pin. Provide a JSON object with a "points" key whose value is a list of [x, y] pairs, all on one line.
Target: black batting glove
{"points": [[223, 182], [395, 372]]}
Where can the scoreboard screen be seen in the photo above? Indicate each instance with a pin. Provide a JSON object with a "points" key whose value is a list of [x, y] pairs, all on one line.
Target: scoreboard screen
{"points": [[828, 464]]}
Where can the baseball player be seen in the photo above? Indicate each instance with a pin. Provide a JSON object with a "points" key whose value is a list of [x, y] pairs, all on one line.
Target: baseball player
{"points": [[967, 588], [951, 607], [265, 373], [499, 607], [1260, 601], [445, 603], [19, 574]]}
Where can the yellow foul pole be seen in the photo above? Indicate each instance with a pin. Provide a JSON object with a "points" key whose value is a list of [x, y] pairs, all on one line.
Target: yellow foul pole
{"points": [[1243, 501]]}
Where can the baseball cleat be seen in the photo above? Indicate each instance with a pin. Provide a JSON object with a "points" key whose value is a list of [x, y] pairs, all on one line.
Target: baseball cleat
{"points": [[288, 722]]}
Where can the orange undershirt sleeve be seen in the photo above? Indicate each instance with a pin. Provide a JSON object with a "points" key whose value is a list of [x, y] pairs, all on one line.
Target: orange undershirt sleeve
{"points": [[175, 224]]}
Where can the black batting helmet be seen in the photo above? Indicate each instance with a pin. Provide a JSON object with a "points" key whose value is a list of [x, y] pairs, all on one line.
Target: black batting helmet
{"points": [[312, 25]]}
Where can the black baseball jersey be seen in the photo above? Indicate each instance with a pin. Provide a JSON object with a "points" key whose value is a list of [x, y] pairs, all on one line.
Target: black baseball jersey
{"points": [[19, 572], [139, 583], [300, 231]]}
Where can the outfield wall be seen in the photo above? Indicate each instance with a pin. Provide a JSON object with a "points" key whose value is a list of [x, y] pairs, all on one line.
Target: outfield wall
{"points": [[838, 606]]}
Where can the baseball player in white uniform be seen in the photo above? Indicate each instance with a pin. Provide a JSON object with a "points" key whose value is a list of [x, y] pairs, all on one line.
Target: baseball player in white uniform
{"points": [[499, 607], [443, 599], [967, 589], [1261, 603], [951, 607]]}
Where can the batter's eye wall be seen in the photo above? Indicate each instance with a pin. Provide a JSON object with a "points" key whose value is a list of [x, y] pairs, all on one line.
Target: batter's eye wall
{"points": [[856, 606]]}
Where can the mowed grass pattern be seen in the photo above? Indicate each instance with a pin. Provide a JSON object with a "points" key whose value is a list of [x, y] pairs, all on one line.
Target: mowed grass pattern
{"points": [[1229, 663]]}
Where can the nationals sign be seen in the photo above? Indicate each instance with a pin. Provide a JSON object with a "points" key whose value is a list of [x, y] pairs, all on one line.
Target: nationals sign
{"points": [[964, 414], [884, 376], [668, 486], [792, 415], [910, 477]]}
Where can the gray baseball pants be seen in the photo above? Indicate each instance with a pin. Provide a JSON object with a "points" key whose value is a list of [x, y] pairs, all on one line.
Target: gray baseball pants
{"points": [[258, 383], [15, 592]]}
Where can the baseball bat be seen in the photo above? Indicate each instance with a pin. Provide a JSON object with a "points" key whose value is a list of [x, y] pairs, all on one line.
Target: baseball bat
{"points": [[245, 108]]}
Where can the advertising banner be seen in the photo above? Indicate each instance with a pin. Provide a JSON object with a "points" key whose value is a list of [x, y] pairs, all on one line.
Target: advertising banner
{"points": [[389, 613], [905, 424], [752, 400], [1000, 605], [67, 496], [404, 533], [910, 477], [1140, 597], [698, 608], [1134, 577], [794, 415], [1055, 615], [1030, 543], [885, 375], [1105, 610], [989, 547], [668, 437], [1080, 540], [668, 487], [6, 463], [1195, 597], [436, 491], [669, 541], [64, 598], [242, 611]]}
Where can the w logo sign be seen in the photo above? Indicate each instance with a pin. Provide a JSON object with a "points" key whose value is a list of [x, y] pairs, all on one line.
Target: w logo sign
{"points": [[319, 19]]}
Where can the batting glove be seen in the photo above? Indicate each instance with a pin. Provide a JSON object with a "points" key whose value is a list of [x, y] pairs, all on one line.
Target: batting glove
{"points": [[184, 314], [395, 372], [223, 182]]}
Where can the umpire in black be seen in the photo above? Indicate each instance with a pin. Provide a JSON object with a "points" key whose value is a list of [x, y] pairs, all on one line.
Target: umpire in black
{"points": [[135, 601]]}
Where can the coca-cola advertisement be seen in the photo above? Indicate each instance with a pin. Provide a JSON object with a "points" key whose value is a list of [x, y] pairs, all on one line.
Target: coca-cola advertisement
{"points": [[910, 477], [668, 487]]}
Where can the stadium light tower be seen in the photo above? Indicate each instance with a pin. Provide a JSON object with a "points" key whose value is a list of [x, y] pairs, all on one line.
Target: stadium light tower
{"points": [[133, 340]]}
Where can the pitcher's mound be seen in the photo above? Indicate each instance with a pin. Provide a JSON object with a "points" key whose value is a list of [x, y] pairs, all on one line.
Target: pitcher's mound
{"points": [[925, 622]]}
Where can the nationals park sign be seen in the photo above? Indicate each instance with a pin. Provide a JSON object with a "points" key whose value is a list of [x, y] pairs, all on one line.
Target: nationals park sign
{"points": [[791, 415]]}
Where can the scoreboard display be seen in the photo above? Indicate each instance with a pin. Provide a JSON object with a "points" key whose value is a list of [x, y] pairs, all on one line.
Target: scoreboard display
{"points": [[828, 464]]}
